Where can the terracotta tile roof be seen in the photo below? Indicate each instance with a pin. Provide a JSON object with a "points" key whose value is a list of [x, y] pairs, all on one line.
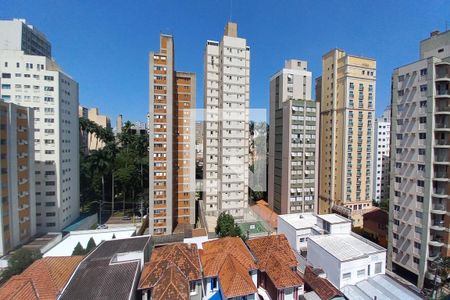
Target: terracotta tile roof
{"points": [[170, 270], [274, 256], [44, 279], [172, 285], [323, 288], [262, 209], [229, 259]]}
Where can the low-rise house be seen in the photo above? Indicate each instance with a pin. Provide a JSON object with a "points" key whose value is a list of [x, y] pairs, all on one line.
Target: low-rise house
{"points": [[299, 227], [346, 258], [44, 279], [229, 269], [277, 267], [110, 271], [174, 272]]}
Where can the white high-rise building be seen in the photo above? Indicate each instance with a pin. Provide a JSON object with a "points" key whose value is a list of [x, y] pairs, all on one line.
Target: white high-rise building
{"points": [[382, 143], [420, 162], [37, 81], [293, 140], [226, 130]]}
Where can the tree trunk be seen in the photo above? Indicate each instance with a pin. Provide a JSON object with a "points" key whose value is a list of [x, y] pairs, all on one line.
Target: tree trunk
{"points": [[103, 198], [123, 206], [112, 194]]}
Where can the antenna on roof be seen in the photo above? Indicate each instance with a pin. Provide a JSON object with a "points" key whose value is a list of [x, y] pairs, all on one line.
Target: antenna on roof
{"points": [[231, 10]]}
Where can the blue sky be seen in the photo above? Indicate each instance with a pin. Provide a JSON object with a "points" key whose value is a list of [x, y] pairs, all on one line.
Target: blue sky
{"points": [[104, 45]]}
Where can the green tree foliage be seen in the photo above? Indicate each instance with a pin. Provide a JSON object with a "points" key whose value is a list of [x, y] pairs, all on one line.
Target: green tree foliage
{"points": [[121, 165], [19, 261], [90, 245], [226, 226], [78, 250]]}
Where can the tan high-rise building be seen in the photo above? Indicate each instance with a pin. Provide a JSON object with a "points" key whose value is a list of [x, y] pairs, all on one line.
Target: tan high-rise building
{"points": [[226, 128], [172, 143], [90, 141], [347, 96], [18, 204]]}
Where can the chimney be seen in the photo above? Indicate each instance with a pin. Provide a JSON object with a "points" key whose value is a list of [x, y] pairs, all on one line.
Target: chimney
{"points": [[231, 29], [434, 33]]}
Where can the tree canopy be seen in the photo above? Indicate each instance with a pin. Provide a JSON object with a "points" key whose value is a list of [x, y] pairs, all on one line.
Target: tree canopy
{"points": [[227, 227], [19, 261]]}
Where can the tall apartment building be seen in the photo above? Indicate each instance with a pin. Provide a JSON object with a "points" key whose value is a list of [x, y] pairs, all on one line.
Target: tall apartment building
{"points": [[18, 209], [17, 35], [420, 166], [172, 142], [347, 108], [226, 130], [293, 142], [89, 141], [382, 163], [37, 82]]}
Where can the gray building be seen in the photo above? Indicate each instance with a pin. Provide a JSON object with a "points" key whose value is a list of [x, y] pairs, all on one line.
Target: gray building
{"points": [[293, 143], [17, 35], [420, 158]]}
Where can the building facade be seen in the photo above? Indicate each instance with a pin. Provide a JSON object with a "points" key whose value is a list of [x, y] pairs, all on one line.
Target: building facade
{"points": [[382, 154], [38, 82], [347, 108], [172, 142], [18, 209], [293, 144], [226, 130], [17, 35], [420, 133], [90, 141]]}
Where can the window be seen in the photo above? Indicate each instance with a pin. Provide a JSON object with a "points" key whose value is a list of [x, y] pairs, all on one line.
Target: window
{"points": [[423, 103], [361, 273], [416, 245], [347, 275], [192, 288], [50, 224], [423, 120], [423, 88], [420, 199], [416, 260], [420, 183], [50, 214], [421, 151], [378, 266], [48, 204], [213, 283], [421, 168], [422, 135], [423, 72]]}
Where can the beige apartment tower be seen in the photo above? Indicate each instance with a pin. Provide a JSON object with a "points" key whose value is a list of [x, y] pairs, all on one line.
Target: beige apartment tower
{"points": [[172, 143], [18, 203], [90, 141], [419, 218], [347, 108], [226, 127], [293, 140]]}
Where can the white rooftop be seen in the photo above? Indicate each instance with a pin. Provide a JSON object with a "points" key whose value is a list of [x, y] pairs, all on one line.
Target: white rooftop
{"points": [[380, 287], [334, 218], [309, 220], [68, 243], [346, 246]]}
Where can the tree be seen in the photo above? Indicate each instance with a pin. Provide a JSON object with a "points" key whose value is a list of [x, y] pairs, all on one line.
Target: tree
{"points": [[78, 250], [226, 226], [19, 261], [90, 245]]}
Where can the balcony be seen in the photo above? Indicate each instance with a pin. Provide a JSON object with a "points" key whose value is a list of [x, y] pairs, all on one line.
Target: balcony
{"points": [[436, 241], [438, 209], [437, 225]]}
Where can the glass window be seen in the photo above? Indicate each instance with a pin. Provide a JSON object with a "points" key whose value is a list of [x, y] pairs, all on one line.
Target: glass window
{"points": [[378, 266]]}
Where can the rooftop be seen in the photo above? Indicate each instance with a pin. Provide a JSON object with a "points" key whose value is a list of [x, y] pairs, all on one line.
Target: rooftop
{"points": [[346, 246], [323, 288], [275, 257], [44, 279], [109, 271], [379, 287], [230, 260], [334, 218], [170, 270], [310, 220]]}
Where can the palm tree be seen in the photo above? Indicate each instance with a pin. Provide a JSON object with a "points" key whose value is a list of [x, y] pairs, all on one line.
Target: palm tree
{"points": [[101, 163]]}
